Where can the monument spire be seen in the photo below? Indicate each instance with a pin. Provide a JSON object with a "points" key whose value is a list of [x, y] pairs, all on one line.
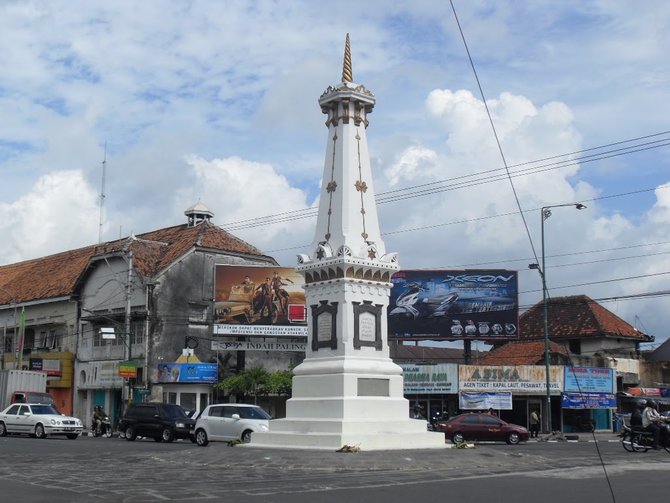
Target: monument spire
{"points": [[347, 74]]}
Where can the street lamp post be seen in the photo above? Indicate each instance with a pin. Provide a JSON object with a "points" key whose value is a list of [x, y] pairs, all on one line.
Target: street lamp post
{"points": [[545, 213]]}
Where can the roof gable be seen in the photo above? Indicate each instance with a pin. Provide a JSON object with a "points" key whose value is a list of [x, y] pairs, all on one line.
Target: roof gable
{"points": [[521, 353], [58, 275]]}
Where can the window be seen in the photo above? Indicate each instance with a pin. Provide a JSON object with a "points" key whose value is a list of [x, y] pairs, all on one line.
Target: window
{"points": [[14, 410], [137, 331], [575, 346], [489, 420], [8, 344], [229, 411], [48, 339]]}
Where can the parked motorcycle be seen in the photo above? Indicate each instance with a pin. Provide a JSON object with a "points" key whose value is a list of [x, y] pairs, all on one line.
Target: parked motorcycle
{"points": [[105, 429], [634, 440]]}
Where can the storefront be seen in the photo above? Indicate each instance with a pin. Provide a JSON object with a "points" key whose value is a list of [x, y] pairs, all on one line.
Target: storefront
{"points": [[432, 390], [588, 399], [525, 383]]}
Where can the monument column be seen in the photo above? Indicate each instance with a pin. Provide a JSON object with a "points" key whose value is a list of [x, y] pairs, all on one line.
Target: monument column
{"points": [[347, 391]]}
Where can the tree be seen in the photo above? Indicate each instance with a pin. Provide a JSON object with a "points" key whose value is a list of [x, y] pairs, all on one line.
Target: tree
{"points": [[258, 381]]}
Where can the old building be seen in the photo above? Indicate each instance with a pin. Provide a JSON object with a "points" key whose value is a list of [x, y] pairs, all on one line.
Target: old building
{"points": [[103, 319]]}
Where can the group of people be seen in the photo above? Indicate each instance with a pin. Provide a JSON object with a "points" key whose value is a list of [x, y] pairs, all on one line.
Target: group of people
{"points": [[272, 287], [647, 418]]}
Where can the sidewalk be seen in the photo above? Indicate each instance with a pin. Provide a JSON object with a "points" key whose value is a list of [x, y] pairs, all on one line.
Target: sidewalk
{"points": [[598, 436]]}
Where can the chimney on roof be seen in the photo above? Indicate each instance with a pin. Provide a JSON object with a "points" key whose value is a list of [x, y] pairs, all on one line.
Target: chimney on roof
{"points": [[197, 214]]}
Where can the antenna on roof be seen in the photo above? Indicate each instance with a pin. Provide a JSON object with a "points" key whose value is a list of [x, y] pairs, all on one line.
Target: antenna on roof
{"points": [[102, 194]]}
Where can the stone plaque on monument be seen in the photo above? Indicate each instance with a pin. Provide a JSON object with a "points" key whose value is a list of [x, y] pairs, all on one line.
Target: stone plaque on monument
{"points": [[367, 325], [324, 327]]}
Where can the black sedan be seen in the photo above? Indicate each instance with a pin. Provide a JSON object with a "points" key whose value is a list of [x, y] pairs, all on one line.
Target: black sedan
{"points": [[473, 426]]}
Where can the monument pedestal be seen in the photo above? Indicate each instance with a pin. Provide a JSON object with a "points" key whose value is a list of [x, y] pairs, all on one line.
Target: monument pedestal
{"points": [[358, 403]]}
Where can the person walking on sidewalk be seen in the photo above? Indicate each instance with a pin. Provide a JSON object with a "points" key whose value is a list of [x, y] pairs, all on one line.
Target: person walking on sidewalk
{"points": [[534, 423]]}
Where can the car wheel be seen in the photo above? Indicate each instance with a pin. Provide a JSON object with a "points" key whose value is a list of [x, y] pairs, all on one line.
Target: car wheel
{"points": [[457, 438], [201, 438], [3, 429], [130, 434], [39, 431], [246, 436], [513, 438], [72, 436], [168, 435]]}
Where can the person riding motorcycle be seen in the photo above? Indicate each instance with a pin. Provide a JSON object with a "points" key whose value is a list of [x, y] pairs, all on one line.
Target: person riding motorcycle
{"points": [[651, 422], [636, 416], [99, 416]]}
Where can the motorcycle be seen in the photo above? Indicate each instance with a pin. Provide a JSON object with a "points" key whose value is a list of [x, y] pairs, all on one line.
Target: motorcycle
{"points": [[105, 429], [634, 440]]}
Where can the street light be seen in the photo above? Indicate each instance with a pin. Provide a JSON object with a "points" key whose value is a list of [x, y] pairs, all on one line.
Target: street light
{"points": [[545, 213]]}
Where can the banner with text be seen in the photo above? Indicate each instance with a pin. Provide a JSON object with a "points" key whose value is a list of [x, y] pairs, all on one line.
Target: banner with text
{"points": [[588, 379], [497, 400], [521, 379]]}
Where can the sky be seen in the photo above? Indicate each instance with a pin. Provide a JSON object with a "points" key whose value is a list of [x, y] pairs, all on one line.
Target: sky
{"points": [[217, 102]]}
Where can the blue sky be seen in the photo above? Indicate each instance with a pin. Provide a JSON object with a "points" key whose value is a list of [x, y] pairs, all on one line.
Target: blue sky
{"points": [[217, 101]]}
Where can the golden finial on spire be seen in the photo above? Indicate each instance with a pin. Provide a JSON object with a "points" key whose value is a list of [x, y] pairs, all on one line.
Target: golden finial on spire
{"points": [[346, 69]]}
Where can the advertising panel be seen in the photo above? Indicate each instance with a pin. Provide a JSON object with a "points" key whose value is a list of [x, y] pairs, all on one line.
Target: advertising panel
{"points": [[588, 401], [259, 301], [520, 379], [587, 379], [498, 400], [426, 379], [187, 372], [454, 305]]}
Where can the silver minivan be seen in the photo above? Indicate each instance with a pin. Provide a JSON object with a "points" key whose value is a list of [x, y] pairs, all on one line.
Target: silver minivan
{"points": [[229, 422]]}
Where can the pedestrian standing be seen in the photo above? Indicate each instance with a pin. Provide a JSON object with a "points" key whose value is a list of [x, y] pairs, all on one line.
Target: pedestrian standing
{"points": [[534, 423]]}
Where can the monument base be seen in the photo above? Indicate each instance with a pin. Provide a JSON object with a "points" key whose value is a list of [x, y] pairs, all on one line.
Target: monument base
{"points": [[362, 410], [332, 435]]}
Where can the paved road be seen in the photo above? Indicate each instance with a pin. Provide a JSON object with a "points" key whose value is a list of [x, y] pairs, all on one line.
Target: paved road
{"points": [[114, 470]]}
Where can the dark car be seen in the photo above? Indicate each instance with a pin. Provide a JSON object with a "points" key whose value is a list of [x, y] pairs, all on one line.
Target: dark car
{"points": [[163, 422], [473, 426]]}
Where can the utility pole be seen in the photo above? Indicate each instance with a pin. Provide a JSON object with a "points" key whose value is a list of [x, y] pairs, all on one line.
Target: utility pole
{"points": [[127, 335]]}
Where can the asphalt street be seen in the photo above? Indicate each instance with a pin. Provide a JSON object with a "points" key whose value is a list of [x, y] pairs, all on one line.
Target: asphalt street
{"points": [[114, 470]]}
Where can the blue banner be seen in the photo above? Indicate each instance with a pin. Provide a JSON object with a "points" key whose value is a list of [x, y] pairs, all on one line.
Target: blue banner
{"points": [[588, 401], [187, 372], [589, 380]]}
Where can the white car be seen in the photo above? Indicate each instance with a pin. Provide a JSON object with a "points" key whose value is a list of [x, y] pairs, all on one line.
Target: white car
{"points": [[229, 422], [38, 420]]}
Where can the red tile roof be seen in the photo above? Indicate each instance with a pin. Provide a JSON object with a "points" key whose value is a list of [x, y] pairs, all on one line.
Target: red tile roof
{"points": [[521, 353], [426, 355], [576, 316], [57, 275]]}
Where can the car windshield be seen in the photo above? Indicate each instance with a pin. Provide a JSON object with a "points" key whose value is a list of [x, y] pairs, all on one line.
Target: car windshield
{"points": [[253, 413], [174, 412], [44, 409]]}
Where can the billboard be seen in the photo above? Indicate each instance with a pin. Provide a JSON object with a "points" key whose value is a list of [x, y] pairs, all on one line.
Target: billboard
{"points": [[259, 301], [187, 372], [454, 305], [519, 379]]}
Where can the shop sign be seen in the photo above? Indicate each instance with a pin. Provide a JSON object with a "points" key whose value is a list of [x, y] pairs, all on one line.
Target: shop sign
{"points": [[427, 379], [591, 380], [588, 401], [522, 379], [128, 369], [259, 346]]}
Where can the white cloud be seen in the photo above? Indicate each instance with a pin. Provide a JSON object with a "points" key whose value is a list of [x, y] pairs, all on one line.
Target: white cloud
{"points": [[59, 213]]}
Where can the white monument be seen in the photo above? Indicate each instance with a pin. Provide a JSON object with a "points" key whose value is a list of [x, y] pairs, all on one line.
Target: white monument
{"points": [[347, 391]]}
